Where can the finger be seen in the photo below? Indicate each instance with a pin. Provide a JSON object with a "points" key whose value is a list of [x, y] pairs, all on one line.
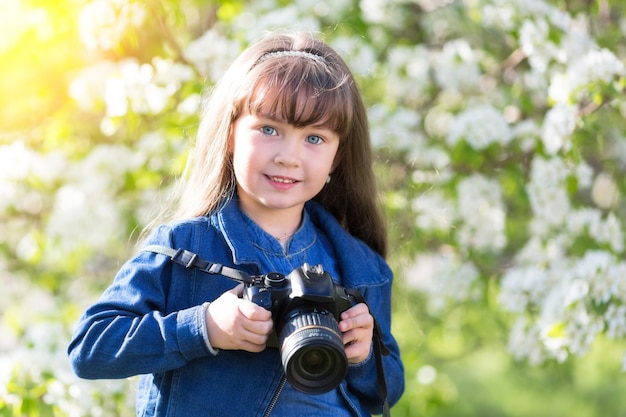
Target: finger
{"points": [[251, 347], [365, 321], [253, 338], [238, 290], [358, 333], [355, 310], [253, 311], [357, 352], [258, 327], [349, 338]]}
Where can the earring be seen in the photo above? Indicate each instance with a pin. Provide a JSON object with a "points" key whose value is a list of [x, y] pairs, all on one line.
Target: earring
{"points": [[328, 179]]}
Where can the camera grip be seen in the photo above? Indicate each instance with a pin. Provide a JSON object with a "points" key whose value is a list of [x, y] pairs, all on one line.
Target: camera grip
{"points": [[260, 296]]}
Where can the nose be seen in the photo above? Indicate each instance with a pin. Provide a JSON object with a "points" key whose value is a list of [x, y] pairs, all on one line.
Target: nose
{"points": [[289, 152]]}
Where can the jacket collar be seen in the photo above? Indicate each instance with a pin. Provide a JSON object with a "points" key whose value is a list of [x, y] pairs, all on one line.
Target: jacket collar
{"points": [[358, 264]]}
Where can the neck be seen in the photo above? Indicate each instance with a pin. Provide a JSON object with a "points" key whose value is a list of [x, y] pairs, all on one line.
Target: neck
{"points": [[282, 232], [284, 239], [282, 224]]}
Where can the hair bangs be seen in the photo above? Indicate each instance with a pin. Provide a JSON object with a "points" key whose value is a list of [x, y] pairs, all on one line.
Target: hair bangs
{"points": [[302, 92]]}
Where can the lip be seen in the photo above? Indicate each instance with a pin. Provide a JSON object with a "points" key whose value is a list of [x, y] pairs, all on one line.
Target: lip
{"points": [[280, 182]]}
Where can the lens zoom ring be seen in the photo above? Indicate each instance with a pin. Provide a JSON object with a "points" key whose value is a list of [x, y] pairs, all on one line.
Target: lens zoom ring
{"points": [[311, 320]]}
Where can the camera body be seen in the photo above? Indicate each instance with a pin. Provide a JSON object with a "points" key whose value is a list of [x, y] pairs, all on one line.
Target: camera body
{"points": [[307, 287], [306, 306]]}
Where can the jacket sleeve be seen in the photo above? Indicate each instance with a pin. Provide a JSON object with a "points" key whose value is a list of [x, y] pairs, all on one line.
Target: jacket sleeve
{"points": [[362, 378], [127, 332]]}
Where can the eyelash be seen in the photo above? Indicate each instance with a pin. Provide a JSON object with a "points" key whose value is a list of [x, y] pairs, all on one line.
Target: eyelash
{"points": [[318, 138], [264, 130], [268, 130]]}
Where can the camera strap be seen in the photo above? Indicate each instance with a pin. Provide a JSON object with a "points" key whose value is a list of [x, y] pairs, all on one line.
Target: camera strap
{"points": [[379, 350], [192, 260]]}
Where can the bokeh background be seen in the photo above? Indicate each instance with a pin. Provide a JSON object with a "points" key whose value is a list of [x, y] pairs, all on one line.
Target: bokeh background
{"points": [[500, 133]]}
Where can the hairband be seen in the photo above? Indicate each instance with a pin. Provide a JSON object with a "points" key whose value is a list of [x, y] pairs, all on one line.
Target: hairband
{"points": [[300, 54]]}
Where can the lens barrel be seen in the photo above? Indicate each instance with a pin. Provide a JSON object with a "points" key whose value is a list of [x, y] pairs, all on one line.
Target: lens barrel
{"points": [[312, 351]]}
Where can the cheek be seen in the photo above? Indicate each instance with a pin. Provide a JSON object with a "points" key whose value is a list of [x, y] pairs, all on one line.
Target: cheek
{"points": [[335, 161], [239, 163], [245, 161]]}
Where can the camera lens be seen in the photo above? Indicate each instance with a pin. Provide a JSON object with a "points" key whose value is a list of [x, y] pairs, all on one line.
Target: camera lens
{"points": [[315, 361], [312, 351]]}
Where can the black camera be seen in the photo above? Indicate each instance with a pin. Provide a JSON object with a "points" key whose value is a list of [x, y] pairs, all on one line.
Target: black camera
{"points": [[305, 307]]}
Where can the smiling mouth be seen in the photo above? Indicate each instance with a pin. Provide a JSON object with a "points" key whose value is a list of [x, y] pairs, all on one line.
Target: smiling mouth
{"points": [[282, 180]]}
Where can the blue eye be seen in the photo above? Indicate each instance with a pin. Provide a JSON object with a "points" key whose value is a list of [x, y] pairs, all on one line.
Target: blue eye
{"points": [[268, 130], [314, 140]]}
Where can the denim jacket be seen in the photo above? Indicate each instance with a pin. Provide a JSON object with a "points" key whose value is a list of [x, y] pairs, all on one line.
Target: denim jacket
{"points": [[150, 322]]}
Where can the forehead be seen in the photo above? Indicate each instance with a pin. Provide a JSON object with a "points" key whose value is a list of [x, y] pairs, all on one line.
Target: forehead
{"points": [[302, 92], [296, 108]]}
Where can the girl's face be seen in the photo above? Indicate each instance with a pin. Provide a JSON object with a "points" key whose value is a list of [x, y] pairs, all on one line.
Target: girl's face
{"points": [[279, 166]]}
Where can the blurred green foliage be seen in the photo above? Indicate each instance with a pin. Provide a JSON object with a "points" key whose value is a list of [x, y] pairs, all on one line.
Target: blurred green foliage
{"points": [[55, 149]]}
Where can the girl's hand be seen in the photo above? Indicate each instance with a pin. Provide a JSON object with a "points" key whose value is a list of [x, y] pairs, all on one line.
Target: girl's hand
{"points": [[237, 324], [357, 325]]}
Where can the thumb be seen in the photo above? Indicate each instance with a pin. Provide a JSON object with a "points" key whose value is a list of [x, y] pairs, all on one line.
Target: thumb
{"points": [[238, 290]]}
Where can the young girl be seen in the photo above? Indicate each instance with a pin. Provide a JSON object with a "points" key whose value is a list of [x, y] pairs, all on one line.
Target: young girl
{"points": [[281, 175]]}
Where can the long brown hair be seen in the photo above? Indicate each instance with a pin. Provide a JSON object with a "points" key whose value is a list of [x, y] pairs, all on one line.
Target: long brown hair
{"points": [[299, 66]]}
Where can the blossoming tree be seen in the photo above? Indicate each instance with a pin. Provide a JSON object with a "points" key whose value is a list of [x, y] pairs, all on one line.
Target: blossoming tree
{"points": [[499, 126]]}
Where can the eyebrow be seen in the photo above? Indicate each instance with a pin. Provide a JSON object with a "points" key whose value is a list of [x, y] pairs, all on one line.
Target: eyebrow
{"points": [[269, 116]]}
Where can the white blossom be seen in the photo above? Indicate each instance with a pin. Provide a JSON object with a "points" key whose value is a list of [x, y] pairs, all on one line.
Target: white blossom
{"points": [[480, 126], [457, 66], [596, 65], [526, 132], [190, 105], [86, 209], [540, 252], [359, 56], [522, 287], [445, 278], [603, 229], [211, 53], [433, 211], [604, 273], [563, 294], [575, 37], [42, 352], [19, 165], [263, 16], [558, 127], [615, 317], [584, 174], [88, 88], [482, 210], [129, 85], [103, 23], [330, 9], [535, 43], [561, 89], [582, 329], [498, 14], [523, 342], [380, 11], [408, 72], [548, 197], [140, 85], [589, 67], [395, 128], [436, 158]]}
